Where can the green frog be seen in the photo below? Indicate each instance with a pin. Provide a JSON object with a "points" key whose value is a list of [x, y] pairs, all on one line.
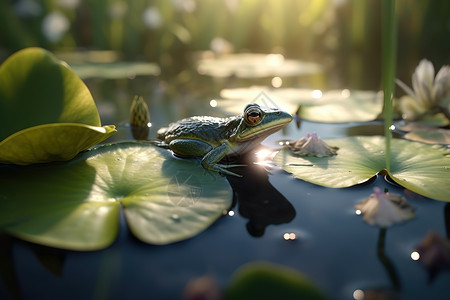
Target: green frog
{"points": [[214, 138]]}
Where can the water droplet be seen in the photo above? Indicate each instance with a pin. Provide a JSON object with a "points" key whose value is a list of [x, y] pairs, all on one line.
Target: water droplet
{"points": [[175, 218]]}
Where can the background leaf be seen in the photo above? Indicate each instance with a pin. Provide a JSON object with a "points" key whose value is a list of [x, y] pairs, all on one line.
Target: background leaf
{"points": [[422, 168], [334, 106], [76, 205], [262, 280]]}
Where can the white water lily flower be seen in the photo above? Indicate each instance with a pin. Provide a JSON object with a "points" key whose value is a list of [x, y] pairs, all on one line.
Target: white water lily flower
{"points": [[385, 209], [429, 93], [312, 145]]}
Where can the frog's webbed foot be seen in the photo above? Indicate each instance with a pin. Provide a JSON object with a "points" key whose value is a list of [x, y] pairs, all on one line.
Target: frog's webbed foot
{"points": [[223, 169]]}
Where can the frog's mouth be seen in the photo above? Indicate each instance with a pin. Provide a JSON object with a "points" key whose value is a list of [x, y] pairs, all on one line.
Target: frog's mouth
{"points": [[261, 133]]}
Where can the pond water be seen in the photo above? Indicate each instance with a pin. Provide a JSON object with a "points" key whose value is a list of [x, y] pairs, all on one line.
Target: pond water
{"points": [[326, 240]]}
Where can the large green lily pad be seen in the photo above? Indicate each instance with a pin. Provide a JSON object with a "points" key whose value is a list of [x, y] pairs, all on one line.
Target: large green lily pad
{"points": [[37, 94], [334, 106], [421, 168], [76, 205]]}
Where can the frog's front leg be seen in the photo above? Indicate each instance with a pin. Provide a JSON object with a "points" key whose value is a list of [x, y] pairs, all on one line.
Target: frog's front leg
{"points": [[210, 156], [211, 159]]}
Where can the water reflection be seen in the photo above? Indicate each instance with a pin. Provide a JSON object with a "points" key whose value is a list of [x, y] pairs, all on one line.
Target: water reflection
{"points": [[258, 201]]}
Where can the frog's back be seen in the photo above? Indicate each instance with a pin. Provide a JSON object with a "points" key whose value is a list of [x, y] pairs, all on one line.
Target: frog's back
{"points": [[201, 128]]}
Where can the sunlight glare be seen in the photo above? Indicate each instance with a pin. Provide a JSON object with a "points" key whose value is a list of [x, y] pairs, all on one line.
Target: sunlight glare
{"points": [[274, 59], [415, 255], [263, 154], [277, 82], [213, 103], [316, 94], [345, 93]]}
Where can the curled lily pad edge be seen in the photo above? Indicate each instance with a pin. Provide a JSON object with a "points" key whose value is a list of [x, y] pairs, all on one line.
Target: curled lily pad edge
{"points": [[106, 130]]}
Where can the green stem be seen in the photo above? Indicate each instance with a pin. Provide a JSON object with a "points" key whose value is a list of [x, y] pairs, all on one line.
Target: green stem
{"points": [[389, 53], [386, 261]]}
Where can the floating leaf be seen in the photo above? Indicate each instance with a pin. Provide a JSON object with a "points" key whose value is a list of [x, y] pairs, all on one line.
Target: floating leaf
{"points": [[250, 65], [76, 205], [430, 136], [421, 168], [38, 93], [335, 106], [115, 70], [263, 280], [51, 142]]}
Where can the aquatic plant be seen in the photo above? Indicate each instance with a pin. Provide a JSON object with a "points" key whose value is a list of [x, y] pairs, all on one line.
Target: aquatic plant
{"points": [[430, 94], [139, 118], [46, 112], [384, 209], [311, 145], [76, 205], [421, 168]]}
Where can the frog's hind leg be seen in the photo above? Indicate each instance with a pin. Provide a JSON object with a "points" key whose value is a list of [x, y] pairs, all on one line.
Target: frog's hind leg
{"points": [[189, 147]]}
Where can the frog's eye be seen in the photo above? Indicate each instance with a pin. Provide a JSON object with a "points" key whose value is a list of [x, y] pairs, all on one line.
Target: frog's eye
{"points": [[253, 116]]}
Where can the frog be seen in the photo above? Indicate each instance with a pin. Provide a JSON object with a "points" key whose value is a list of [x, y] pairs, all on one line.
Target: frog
{"points": [[213, 138]]}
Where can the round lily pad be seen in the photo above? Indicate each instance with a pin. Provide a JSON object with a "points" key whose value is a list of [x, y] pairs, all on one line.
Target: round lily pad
{"points": [[38, 93], [76, 205], [421, 168]]}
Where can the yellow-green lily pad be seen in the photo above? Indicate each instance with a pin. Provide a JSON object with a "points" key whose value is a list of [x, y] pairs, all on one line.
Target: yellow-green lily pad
{"points": [[76, 205], [38, 93], [334, 106], [421, 168], [51, 142]]}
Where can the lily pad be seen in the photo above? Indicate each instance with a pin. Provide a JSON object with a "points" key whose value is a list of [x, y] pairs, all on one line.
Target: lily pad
{"points": [[36, 89], [115, 70], [51, 142], [251, 65], [263, 280], [334, 106], [76, 205], [421, 168], [430, 136]]}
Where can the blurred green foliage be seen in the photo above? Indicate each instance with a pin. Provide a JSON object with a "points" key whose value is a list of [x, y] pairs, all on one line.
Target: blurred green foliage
{"points": [[344, 35]]}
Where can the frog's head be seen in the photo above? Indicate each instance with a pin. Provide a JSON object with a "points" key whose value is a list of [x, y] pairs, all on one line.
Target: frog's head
{"points": [[258, 123]]}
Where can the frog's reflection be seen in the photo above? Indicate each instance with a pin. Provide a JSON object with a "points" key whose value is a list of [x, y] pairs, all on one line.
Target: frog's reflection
{"points": [[257, 199]]}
